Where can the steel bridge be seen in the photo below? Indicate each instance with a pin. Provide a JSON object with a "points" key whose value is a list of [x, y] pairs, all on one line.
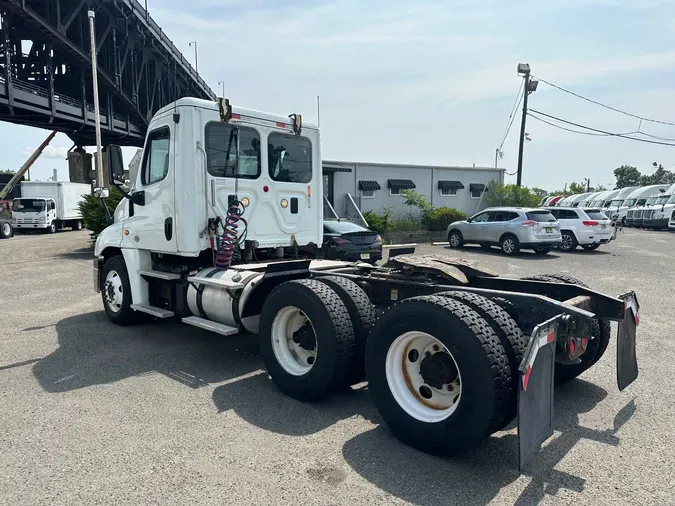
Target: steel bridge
{"points": [[45, 68]]}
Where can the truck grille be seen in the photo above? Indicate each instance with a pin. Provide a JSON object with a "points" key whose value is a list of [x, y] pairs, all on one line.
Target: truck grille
{"points": [[27, 221], [630, 214], [648, 215], [638, 214]]}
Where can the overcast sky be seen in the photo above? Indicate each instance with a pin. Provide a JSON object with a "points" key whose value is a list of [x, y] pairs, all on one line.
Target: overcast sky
{"points": [[410, 81]]}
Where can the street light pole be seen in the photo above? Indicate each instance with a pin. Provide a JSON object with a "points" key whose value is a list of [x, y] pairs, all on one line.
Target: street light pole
{"points": [[530, 86], [97, 116], [194, 43]]}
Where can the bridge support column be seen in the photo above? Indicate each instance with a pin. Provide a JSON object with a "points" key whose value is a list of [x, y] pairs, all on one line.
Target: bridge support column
{"points": [[79, 166]]}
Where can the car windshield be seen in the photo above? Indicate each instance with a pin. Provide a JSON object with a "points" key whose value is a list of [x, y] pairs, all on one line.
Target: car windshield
{"points": [[541, 216], [28, 205], [594, 214], [344, 227]]}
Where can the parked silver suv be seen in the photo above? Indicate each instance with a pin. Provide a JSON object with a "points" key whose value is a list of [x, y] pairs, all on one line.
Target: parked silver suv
{"points": [[510, 228]]}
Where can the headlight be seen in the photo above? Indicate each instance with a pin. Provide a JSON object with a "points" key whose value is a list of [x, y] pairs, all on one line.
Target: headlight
{"points": [[659, 215], [42, 219]]}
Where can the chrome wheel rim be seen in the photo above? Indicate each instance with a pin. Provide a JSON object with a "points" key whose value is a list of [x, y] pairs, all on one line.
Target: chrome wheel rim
{"points": [[566, 242], [113, 291], [6, 229]]}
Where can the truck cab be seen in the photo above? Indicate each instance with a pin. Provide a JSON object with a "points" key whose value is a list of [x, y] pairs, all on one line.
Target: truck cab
{"points": [[34, 213], [635, 204]]}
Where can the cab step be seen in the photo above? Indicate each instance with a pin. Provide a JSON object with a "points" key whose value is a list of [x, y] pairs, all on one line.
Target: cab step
{"points": [[157, 312], [212, 326], [166, 276]]}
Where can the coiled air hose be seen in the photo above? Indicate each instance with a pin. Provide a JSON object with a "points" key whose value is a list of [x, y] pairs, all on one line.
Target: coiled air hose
{"points": [[234, 235]]}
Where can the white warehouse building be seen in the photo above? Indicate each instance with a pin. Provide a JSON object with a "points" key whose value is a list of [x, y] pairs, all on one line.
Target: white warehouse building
{"points": [[372, 186]]}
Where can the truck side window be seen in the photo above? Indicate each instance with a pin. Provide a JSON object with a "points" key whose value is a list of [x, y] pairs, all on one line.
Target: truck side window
{"points": [[156, 156], [289, 157], [221, 151]]}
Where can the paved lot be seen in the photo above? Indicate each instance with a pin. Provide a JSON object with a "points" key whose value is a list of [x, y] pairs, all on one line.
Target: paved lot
{"points": [[91, 413]]}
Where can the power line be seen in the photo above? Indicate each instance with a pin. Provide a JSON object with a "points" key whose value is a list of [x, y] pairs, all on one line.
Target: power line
{"points": [[641, 118], [512, 116], [534, 116], [599, 131]]}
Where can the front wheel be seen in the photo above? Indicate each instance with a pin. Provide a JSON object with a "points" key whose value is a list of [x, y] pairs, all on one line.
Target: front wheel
{"points": [[116, 292], [455, 239], [591, 247], [51, 229], [438, 374]]}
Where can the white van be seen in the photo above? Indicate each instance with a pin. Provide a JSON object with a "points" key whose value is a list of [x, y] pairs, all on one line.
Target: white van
{"points": [[635, 202], [586, 202], [614, 208], [658, 215]]}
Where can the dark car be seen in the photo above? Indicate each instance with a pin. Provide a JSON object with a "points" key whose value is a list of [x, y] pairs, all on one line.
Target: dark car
{"points": [[344, 240]]}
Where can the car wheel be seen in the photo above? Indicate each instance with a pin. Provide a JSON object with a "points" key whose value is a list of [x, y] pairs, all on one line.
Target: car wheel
{"points": [[590, 247], [510, 245], [542, 251], [569, 242], [455, 239]]}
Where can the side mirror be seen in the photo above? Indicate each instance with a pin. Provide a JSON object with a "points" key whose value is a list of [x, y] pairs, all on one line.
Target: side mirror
{"points": [[115, 165], [101, 193]]}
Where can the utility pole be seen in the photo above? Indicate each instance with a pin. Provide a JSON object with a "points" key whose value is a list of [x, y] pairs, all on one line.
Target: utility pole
{"points": [[194, 43], [588, 184], [97, 115], [529, 86]]}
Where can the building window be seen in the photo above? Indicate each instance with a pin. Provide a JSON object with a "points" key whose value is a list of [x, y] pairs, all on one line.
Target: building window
{"points": [[477, 190], [396, 186], [450, 188], [368, 188]]}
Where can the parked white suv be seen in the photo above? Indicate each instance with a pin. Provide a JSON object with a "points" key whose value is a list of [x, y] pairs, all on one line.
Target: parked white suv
{"points": [[588, 228]]}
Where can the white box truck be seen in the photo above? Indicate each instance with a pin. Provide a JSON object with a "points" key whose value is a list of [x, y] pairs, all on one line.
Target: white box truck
{"points": [[49, 205]]}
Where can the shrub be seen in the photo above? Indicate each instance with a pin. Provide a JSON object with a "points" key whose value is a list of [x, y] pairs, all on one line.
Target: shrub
{"points": [[92, 211], [380, 223], [407, 224], [439, 218]]}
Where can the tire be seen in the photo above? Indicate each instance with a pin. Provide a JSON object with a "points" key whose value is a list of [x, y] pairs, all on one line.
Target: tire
{"points": [[116, 292], [484, 374], [455, 239], [6, 230], [51, 229], [362, 315], [542, 251], [569, 241], [77, 225], [601, 331], [590, 247], [333, 336], [509, 334], [509, 245]]}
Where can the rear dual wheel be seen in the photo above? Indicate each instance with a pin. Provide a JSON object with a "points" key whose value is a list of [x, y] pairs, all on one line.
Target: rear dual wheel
{"points": [[439, 374]]}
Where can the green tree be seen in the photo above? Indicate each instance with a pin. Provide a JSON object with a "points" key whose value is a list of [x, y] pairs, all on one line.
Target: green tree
{"points": [[416, 199], [627, 175], [660, 176], [499, 194], [600, 188], [540, 192], [92, 211], [7, 171], [574, 188]]}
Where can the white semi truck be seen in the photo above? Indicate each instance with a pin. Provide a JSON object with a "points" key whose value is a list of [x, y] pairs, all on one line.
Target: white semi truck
{"points": [[221, 230], [49, 206]]}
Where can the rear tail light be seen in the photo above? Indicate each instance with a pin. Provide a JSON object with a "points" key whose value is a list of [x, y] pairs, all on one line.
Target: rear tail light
{"points": [[591, 223], [530, 223], [340, 240]]}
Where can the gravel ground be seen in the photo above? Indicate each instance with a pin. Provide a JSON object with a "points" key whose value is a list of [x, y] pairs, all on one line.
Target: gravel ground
{"points": [[163, 413]]}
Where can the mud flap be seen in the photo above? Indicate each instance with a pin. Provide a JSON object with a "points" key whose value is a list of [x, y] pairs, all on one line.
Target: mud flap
{"points": [[535, 390], [626, 358]]}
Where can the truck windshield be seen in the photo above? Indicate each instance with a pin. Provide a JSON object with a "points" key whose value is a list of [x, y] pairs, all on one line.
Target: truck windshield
{"points": [[662, 200], [671, 200], [650, 201], [629, 202], [289, 157], [221, 151], [616, 203], [28, 205]]}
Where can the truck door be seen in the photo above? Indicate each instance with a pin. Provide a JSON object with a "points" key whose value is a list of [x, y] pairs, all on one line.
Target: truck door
{"points": [[152, 226]]}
